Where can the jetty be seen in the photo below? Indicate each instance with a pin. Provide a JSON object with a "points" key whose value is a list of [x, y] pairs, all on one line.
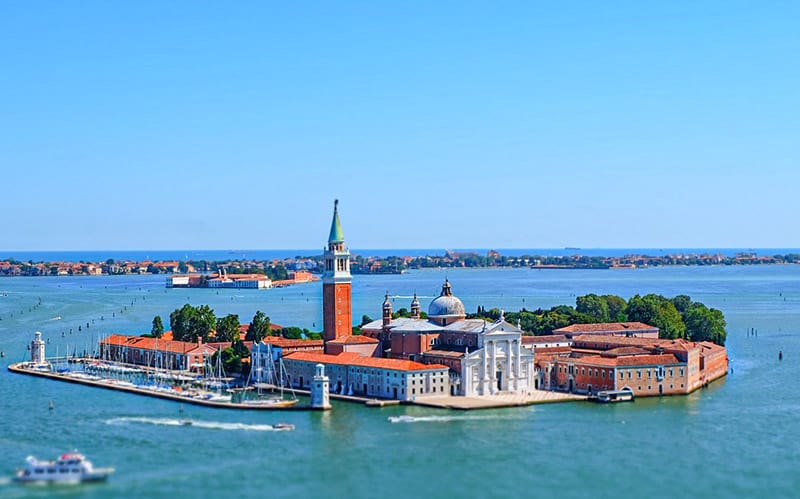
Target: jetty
{"points": [[30, 369]]}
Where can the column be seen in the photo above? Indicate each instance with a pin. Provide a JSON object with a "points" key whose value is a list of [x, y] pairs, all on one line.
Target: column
{"points": [[517, 362], [493, 366]]}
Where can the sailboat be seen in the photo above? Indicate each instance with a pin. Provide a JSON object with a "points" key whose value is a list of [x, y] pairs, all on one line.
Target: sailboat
{"points": [[217, 381], [272, 378]]}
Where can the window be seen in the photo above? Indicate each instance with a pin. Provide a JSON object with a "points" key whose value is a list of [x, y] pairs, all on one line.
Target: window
{"points": [[639, 374]]}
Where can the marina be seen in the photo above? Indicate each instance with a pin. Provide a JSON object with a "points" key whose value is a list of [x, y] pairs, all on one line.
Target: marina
{"points": [[189, 396]]}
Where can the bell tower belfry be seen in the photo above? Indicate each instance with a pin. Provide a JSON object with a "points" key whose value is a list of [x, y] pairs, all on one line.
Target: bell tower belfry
{"points": [[336, 283]]}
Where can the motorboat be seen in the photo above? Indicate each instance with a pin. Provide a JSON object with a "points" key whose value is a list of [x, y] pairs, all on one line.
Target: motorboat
{"points": [[283, 426], [185, 422], [402, 419], [70, 467]]}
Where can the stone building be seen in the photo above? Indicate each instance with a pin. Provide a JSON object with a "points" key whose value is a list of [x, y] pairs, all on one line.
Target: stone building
{"points": [[646, 366], [484, 357]]}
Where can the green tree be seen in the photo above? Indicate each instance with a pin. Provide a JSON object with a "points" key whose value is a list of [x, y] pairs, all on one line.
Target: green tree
{"points": [[403, 312], [594, 306], [705, 324], [188, 322], [616, 307], [292, 333], [158, 327], [259, 327], [682, 303], [231, 362], [365, 319], [228, 328], [180, 321], [657, 311]]}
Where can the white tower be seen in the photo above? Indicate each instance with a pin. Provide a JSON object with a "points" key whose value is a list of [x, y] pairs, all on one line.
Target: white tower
{"points": [[37, 350], [320, 389]]}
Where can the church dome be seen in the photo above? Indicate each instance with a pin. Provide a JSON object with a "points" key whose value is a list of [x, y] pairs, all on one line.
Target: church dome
{"points": [[446, 305]]}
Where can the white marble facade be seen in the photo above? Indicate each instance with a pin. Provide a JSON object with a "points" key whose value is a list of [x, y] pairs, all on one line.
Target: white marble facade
{"points": [[500, 365]]}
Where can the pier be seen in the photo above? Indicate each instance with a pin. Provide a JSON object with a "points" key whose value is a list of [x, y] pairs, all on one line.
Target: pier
{"points": [[28, 369]]}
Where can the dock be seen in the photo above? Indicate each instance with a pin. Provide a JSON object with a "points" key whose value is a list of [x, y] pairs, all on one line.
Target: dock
{"points": [[22, 368]]}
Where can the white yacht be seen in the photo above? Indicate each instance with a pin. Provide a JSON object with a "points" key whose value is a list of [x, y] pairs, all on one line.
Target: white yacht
{"points": [[68, 468]]}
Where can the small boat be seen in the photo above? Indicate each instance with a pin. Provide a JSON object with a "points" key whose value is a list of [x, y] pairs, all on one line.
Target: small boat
{"points": [[402, 419], [276, 402], [611, 396], [283, 426], [185, 422], [70, 467]]}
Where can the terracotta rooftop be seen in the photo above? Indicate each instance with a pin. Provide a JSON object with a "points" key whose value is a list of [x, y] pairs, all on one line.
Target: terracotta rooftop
{"points": [[154, 344], [446, 354], [545, 338], [606, 328], [356, 359], [620, 351], [626, 361], [354, 339]]}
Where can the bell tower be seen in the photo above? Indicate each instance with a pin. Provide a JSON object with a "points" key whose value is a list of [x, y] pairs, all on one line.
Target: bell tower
{"points": [[336, 280]]}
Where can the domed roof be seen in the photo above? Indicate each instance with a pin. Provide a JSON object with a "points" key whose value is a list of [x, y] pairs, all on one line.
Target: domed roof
{"points": [[446, 304]]}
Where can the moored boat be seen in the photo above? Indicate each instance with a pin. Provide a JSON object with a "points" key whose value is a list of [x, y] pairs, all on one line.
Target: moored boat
{"points": [[70, 467], [611, 396]]}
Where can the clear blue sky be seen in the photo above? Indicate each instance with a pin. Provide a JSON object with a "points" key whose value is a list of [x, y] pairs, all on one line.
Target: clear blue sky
{"points": [[215, 125]]}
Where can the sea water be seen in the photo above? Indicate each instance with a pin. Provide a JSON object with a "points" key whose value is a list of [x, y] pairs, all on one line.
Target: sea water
{"points": [[739, 437]]}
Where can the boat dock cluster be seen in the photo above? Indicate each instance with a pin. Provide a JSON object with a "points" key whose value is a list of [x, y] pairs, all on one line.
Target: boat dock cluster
{"points": [[162, 385]]}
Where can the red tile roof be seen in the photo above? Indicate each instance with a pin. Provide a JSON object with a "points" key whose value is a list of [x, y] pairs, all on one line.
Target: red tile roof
{"points": [[625, 361], [282, 342], [154, 344], [354, 339], [606, 327], [355, 359], [545, 338]]}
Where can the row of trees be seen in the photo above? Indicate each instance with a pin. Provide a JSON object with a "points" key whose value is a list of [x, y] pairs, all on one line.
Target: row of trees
{"points": [[677, 317]]}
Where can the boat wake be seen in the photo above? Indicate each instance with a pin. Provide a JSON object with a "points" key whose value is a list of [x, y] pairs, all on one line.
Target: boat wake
{"points": [[5, 481], [210, 425], [56, 318], [438, 419]]}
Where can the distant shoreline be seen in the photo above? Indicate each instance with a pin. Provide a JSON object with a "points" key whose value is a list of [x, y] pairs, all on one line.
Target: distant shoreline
{"points": [[279, 268]]}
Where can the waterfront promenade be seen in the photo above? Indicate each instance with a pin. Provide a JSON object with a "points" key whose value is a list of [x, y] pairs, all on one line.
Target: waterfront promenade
{"points": [[498, 400]]}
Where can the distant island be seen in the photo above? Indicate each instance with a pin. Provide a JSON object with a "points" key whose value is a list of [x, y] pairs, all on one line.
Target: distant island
{"points": [[282, 269]]}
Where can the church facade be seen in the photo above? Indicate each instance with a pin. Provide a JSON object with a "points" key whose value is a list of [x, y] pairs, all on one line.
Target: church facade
{"points": [[484, 358]]}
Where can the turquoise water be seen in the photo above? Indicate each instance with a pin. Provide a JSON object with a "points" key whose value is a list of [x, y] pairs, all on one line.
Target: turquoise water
{"points": [[737, 438]]}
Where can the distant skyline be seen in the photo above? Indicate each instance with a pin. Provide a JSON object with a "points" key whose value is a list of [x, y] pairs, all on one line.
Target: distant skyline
{"points": [[180, 125]]}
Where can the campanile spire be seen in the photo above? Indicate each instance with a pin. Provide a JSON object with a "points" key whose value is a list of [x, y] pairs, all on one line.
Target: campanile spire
{"points": [[336, 283]]}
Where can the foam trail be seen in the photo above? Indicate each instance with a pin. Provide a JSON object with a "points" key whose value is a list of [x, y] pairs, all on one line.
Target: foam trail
{"points": [[211, 425]]}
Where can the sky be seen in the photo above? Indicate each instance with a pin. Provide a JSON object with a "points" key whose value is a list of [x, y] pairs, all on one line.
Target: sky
{"points": [[220, 125]]}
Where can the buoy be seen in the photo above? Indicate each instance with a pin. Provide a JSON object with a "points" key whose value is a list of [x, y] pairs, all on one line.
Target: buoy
{"points": [[780, 355], [52, 406]]}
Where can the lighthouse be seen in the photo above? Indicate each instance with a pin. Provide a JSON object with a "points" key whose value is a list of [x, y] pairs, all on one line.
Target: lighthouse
{"points": [[320, 389], [37, 350]]}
